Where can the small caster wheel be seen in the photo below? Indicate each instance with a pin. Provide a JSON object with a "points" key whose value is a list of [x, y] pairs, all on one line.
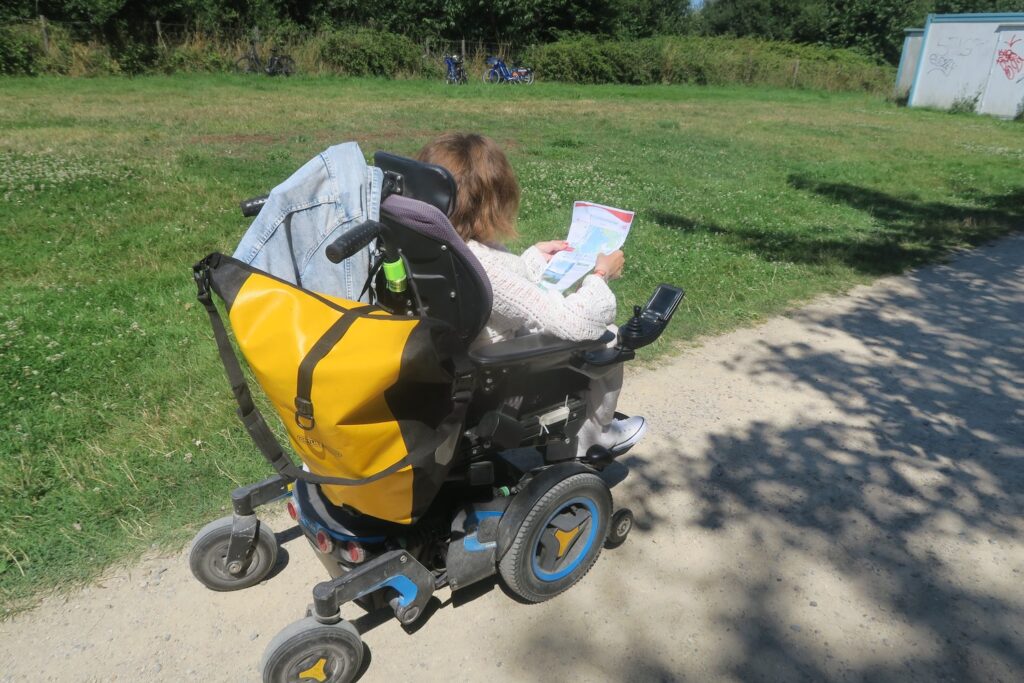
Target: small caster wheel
{"points": [[405, 615], [622, 523], [208, 557], [310, 650]]}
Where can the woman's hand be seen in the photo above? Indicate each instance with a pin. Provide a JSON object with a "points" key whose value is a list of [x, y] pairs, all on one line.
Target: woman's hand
{"points": [[549, 249], [610, 266]]}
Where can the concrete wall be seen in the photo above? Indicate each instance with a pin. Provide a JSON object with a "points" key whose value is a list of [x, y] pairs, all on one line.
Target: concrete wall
{"points": [[971, 57], [909, 57]]}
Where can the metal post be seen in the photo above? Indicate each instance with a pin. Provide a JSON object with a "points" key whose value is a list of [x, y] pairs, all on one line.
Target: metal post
{"points": [[463, 51], [159, 35], [46, 37], [796, 71]]}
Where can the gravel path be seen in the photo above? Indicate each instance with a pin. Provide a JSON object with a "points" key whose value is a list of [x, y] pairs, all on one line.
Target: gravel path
{"points": [[836, 495]]}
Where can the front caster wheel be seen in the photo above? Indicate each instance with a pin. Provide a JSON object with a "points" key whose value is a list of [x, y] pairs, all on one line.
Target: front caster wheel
{"points": [[208, 557], [309, 650], [622, 524]]}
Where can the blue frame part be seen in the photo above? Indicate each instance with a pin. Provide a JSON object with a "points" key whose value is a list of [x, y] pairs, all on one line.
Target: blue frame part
{"points": [[470, 542], [407, 590], [395, 569]]}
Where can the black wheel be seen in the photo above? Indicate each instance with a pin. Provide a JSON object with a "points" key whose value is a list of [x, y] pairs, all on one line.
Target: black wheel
{"points": [[309, 650], [244, 66], [559, 540], [621, 525], [208, 557], [528, 78], [491, 77], [285, 66]]}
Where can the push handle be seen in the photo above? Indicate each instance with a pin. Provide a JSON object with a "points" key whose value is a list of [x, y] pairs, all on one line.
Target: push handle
{"points": [[353, 240], [251, 207]]}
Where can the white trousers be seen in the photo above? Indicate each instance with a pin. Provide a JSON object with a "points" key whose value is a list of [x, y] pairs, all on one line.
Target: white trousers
{"points": [[600, 402]]}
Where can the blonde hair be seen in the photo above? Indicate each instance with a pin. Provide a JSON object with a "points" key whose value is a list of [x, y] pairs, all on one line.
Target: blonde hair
{"points": [[487, 192]]}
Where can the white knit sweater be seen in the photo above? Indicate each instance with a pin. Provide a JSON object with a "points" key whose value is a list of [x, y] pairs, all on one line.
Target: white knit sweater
{"points": [[520, 301]]}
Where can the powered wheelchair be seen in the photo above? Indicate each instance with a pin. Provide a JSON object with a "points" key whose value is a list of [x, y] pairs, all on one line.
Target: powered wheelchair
{"points": [[510, 495]]}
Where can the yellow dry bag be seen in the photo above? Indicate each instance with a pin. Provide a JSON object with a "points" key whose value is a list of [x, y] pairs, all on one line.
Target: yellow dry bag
{"points": [[372, 402]]}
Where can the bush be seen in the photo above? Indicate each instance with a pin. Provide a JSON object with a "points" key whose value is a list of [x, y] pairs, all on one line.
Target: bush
{"points": [[136, 58], [195, 56], [365, 52], [92, 59], [708, 61], [21, 50], [965, 104]]}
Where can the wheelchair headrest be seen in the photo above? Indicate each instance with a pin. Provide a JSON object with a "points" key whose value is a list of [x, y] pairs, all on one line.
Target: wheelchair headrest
{"points": [[445, 274], [428, 183]]}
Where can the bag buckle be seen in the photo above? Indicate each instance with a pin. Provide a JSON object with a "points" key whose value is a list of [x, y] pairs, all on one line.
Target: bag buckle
{"points": [[304, 413], [201, 275]]}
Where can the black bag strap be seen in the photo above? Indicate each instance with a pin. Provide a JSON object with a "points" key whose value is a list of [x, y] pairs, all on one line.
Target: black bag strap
{"points": [[257, 427], [327, 341], [374, 265]]}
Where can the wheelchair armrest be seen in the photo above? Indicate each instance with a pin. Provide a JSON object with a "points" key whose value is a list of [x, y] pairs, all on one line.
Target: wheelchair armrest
{"points": [[533, 347]]}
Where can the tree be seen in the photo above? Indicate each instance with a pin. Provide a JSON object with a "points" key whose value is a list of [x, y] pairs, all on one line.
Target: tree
{"points": [[802, 21]]}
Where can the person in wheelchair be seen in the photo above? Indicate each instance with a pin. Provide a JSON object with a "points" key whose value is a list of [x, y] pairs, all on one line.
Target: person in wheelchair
{"points": [[439, 446], [486, 205]]}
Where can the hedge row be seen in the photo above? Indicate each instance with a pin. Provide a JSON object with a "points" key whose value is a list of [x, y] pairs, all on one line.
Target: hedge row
{"points": [[367, 52], [347, 52], [708, 61]]}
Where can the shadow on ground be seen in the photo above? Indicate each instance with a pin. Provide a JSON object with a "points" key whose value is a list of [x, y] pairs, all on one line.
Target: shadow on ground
{"points": [[911, 499]]}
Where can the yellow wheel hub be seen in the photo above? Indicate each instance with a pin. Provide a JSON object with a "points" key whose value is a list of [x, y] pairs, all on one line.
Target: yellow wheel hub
{"points": [[564, 538], [315, 672]]}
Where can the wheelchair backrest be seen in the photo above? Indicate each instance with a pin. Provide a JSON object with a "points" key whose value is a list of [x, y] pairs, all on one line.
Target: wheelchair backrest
{"points": [[447, 281], [428, 183]]}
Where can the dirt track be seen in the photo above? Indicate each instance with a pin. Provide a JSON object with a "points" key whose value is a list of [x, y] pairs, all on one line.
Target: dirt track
{"points": [[834, 495]]}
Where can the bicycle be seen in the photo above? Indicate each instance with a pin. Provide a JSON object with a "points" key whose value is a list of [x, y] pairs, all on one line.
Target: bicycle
{"points": [[456, 72], [277, 65], [501, 73]]}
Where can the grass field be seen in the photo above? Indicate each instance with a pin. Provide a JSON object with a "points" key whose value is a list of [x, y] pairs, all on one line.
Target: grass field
{"points": [[118, 429]]}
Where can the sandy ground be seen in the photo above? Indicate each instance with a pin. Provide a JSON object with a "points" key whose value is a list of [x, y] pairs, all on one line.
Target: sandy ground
{"points": [[836, 495]]}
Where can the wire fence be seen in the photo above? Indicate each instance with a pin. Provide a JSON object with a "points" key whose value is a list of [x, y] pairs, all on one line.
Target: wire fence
{"points": [[473, 50], [168, 34]]}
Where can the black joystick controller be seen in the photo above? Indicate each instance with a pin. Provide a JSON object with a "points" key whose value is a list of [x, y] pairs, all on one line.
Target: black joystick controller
{"points": [[633, 331], [648, 322]]}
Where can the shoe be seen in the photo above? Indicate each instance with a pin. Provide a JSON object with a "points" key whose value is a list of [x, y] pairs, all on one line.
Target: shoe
{"points": [[628, 432]]}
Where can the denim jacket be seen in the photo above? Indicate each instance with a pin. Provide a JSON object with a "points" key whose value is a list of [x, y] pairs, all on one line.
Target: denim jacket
{"points": [[331, 193]]}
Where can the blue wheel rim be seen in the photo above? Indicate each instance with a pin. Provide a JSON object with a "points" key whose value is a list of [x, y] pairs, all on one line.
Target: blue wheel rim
{"points": [[576, 550]]}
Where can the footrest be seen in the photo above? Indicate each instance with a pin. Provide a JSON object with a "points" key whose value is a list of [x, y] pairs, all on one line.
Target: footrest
{"points": [[599, 457]]}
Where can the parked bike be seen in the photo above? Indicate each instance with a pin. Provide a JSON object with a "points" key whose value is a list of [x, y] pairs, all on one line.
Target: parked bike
{"points": [[456, 70], [499, 72], [277, 65]]}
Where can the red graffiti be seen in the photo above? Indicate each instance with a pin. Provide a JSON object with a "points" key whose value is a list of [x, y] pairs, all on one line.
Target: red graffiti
{"points": [[1010, 62]]}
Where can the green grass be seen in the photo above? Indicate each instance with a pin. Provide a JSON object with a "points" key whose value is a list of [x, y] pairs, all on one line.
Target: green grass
{"points": [[118, 428]]}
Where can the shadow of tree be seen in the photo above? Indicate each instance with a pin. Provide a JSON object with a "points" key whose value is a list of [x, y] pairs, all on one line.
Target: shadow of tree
{"points": [[911, 497], [910, 232]]}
